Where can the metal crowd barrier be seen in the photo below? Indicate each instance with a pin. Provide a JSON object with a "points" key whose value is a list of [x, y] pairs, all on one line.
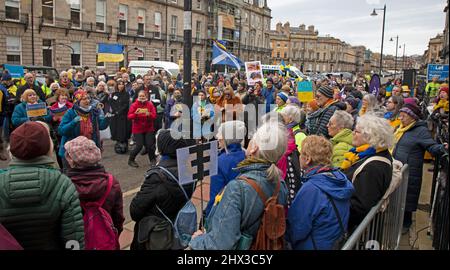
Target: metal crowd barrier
{"points": [[381, 229]]}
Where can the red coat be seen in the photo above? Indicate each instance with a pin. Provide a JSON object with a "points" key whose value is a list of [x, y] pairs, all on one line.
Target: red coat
{"points": [[142, 123]]}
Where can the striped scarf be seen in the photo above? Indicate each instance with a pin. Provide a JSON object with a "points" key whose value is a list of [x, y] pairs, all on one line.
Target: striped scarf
{"points": [[358, 153]]}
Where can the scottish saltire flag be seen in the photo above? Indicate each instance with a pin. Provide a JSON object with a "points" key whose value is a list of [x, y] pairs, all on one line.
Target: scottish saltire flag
{"points": [[112, 53], [222, 57]]}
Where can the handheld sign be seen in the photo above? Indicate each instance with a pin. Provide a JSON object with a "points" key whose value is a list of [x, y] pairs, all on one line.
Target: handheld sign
{"points": [[305, 91], [253, 71], [36, 110], [196, 162]]}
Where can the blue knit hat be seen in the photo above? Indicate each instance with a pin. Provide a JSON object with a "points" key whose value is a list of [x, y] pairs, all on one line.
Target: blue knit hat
{"points": [[283, 96]]}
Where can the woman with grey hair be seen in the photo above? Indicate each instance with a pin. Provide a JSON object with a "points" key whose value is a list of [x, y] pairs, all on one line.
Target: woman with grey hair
{"points": [[230, 136], [340, 128], [370, 105], [368, 165], [236, 213]]}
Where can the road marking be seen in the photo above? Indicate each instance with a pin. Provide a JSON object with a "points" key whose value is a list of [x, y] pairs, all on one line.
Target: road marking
{"points": [[131, 192]]}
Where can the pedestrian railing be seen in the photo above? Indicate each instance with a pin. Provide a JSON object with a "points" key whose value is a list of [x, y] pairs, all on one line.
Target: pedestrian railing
{"points": [[381, 229]]}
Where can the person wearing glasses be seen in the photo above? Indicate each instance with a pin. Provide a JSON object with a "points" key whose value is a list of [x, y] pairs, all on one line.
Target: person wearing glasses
{"points": [[393, 106], [368, 165], [327, 105]]}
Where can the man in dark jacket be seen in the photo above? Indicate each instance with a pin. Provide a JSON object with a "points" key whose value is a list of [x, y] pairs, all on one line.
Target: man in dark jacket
{"points": [[39, 205], [159, 189], [328, 106], [31, 84], [269, 94]]}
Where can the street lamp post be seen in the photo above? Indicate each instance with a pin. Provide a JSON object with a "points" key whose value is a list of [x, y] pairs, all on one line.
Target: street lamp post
{"points": [[396, 50], [403, 60], [374, 13]]}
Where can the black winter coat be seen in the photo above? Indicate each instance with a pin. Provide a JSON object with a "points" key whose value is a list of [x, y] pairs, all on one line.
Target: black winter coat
{"points": [[410, 150], [370, 186], [161, 191], [120, 126]]}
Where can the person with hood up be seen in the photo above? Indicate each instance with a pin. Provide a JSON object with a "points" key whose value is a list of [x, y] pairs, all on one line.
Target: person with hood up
{"points": [[214, 95], [159, 189], [91, 179], [39, 204], [142, 113], [312, 221], [230, 136], [229, 105], [411, 141]]}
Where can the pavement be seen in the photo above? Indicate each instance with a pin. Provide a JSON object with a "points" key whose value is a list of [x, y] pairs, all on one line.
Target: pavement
{"points": [[418, 237]]}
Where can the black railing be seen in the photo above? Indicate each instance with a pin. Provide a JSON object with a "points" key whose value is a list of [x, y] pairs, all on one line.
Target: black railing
{"points": [[22, 19], [69, 25]]}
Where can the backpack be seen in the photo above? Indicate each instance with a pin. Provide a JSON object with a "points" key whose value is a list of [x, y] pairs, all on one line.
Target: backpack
{"points": [[7, 241], [293, 175], [185, 223], [99, 230], [270, 235]]}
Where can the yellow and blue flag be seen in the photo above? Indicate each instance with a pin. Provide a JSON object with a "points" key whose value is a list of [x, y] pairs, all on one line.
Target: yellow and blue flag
{"points": [[112, 53]]}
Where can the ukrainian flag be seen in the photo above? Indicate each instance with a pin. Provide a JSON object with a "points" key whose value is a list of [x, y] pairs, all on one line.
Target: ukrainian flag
{"points": [[112, 53]]}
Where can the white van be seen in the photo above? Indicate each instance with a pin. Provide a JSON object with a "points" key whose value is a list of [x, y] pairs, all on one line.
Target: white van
{"points": [[142, 67]]}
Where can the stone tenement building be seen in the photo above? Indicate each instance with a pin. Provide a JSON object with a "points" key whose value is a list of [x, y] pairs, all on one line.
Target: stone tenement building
{"points": [[304, 48], [66, 33]]}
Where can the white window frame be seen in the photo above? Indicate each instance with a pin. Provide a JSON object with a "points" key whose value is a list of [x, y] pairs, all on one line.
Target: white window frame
{"points": [[198, 31], [157, 52], [81, 19], [14, 52], [158, 24], [53, 8], [125, 19], [173, 28], [18, 7], [97, 15], [74, 52], [143, 19]]}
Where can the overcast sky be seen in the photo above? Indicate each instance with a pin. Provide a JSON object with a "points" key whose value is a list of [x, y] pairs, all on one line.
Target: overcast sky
{"points": [[414, 21]]}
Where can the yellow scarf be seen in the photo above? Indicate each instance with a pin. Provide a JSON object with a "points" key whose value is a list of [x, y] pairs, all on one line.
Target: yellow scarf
{"points": [[351, 158], [442, 104], [400, 131]]}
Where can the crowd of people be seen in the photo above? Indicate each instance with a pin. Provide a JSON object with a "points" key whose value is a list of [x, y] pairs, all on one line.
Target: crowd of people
{"points": [[329, 160]]}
